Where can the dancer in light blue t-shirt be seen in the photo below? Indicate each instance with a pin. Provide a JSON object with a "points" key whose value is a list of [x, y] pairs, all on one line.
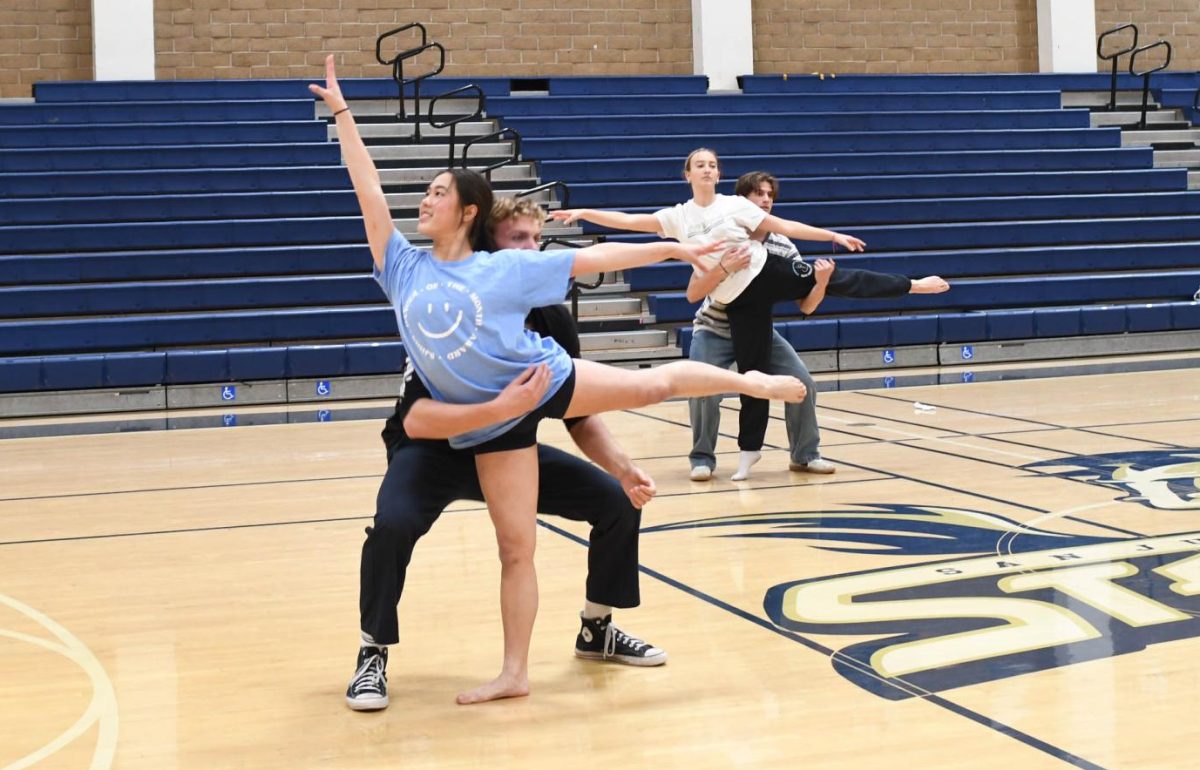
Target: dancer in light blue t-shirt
{"points": [[460, 307]]}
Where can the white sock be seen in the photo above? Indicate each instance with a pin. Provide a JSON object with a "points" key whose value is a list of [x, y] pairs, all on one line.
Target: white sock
{"points": [[593, 611], [745, 461]]}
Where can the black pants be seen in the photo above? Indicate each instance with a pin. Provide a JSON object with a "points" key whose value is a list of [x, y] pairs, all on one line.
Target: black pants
{"points": [[750, 323], [423, 477]]}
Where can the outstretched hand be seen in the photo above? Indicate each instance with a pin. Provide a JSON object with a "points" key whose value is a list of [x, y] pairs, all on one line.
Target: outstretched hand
{"points": [[848, 242], [566, 216], [332, 92]]}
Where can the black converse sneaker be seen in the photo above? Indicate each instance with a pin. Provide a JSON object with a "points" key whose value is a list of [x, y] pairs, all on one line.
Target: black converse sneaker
{"points": [[599, 639], [368, 688]]}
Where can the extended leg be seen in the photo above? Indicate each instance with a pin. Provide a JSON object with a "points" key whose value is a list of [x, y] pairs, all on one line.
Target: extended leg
{"points": [[601, 388]]}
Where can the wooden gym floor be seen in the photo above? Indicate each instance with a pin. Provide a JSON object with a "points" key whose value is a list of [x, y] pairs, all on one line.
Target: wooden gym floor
{"points": [[1007, 575]]}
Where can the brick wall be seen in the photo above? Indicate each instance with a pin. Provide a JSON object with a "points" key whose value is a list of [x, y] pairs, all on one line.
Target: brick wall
{"points": [[859, 36], [1175, 20], [270, 38], [51, 40]]}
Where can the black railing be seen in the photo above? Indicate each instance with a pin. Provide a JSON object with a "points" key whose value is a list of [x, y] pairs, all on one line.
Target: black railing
{"points": [[452, 124], [564, 198], [1145, 74], [1114, 56], [577, 287], [513, 158], [397, 65]]}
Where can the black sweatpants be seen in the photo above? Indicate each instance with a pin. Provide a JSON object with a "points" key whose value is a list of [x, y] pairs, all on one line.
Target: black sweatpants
{"points": [[751, 324], [423, 477]]}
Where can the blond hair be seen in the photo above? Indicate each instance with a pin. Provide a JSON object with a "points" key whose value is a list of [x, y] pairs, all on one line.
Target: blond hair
{"points": [[506, 208]]}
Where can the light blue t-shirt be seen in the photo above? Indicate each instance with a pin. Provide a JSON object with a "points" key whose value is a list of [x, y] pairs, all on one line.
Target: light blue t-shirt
{"points": [[463, 323]]}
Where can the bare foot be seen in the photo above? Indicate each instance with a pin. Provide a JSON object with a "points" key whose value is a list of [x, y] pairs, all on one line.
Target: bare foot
{"points": [[929, 285], [776, 387], [503, 686]]}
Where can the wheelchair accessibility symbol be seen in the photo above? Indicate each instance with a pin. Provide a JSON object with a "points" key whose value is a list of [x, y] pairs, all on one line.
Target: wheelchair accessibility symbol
{"points": [[968, 352], [324, 415], [889, 356], [229, 420], [889, 382], [229, 393], [323, 388], [968, 376]]}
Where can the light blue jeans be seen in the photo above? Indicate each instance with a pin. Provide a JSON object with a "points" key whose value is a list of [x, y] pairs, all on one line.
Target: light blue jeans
{"points": [[804, 438]]}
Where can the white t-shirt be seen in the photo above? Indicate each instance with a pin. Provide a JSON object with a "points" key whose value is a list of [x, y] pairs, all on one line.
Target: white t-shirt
{"points": [[731, 218]]}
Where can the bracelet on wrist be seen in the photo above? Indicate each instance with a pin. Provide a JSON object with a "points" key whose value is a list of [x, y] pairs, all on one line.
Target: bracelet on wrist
{"points": [[339, 112], [723, 268]]}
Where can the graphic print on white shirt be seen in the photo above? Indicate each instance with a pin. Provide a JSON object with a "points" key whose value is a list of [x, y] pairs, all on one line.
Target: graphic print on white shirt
{"points": [[730, 218]]}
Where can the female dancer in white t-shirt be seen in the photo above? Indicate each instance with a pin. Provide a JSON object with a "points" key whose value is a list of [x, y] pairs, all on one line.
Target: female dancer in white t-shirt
{"points": [[749, 287], [461, 308]]}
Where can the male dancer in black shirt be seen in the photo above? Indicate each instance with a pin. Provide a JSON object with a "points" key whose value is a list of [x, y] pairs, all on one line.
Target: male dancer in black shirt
{"points": [[425, 475]]}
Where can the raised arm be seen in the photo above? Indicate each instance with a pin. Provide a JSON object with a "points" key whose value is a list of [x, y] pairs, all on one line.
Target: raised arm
{"points": [[803, 232], [431, 419], [607, 257], [377, 217], [617, 220]]}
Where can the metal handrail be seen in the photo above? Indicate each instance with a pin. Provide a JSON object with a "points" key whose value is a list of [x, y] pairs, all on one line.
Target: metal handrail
{"points": [[1112, 102], [453, 122], [1145, 74], [379, 42], [565, 198], [397, 64], [576, 286], [516, 155]]}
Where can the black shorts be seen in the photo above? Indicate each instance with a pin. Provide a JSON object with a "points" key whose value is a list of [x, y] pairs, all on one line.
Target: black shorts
{"points": [[524, 433]]}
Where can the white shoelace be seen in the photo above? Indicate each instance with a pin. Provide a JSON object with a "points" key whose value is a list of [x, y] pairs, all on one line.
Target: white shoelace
{"points": [[612, 635], [370, 675]]}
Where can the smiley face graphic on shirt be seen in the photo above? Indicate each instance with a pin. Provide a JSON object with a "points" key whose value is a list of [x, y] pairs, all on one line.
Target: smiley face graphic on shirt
{"points": [[443, 318]]}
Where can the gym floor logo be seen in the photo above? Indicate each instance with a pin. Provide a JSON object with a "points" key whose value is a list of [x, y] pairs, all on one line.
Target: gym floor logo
{"points": [[1005, 598]]}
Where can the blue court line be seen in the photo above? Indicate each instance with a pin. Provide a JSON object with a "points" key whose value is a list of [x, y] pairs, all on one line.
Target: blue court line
{"points": [[189, 530], [937, 700], [1042, 474], [183, 488], [1043, 423]]}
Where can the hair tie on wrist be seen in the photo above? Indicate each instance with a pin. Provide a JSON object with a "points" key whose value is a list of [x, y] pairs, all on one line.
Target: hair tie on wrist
{"points": [[339, 112]]}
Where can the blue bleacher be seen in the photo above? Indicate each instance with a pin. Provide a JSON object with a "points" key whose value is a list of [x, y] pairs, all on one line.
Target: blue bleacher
{"points": [[184, 232]]}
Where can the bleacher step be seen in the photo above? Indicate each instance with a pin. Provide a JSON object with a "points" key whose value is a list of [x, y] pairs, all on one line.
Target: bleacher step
{"points": [[411, 200], [635, 358], [387, 108], [1194, 180], [425, 174], [386, 152], [1100, 99], [1152, 137], [611, 307], [1130, 118], [642, 338], [405, 131], [1177, 159]]}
